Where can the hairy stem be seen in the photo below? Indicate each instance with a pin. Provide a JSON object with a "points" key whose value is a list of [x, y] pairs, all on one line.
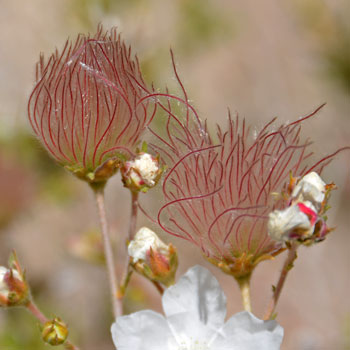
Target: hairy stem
{"points": [[287, 266], [133, 216], [35, 311], [31, 306], [244, 285], [113, 282], [131, 233]]}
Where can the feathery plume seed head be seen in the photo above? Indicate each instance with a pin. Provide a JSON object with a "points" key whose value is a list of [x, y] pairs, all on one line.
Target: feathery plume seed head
{"points": [[218, 194], [87, 106]]}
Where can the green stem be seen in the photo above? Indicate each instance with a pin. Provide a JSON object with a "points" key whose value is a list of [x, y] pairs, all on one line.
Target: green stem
{"points": [[244, 285]]}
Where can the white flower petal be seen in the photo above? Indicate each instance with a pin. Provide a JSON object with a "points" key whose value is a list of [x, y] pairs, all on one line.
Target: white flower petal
{"points": [[186, 331], [244, 331], [195, 307], [143, 330], [3, 285], [4, 288], [283, 222], [310, 188], [143, 241], [198, 297]]}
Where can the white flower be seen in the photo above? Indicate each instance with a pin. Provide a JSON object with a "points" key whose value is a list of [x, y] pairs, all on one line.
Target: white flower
{"points": [[195, 309], [143, 241], [290, 220], [147, 167], [310, 188]]}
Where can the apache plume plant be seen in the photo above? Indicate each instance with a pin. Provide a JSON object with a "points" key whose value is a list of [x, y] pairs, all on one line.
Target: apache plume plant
{"points": [[87, 107], [242, 196]]}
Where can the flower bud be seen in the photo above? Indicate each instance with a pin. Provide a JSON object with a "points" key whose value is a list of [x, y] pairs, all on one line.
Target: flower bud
{"points": [[295, 221], [142, 173], [310, 188], [55, 332], [14, 290], [152, 257], [304, 220]]}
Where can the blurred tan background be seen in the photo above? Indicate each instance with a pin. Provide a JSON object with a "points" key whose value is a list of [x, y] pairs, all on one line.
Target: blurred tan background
{"points": [[262, 59]]}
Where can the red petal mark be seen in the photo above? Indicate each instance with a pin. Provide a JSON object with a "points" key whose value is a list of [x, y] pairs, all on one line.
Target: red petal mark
{"points": [[309, 212]]}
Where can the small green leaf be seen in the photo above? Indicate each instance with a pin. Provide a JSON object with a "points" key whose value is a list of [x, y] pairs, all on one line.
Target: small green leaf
{"points": [[144, 147]]}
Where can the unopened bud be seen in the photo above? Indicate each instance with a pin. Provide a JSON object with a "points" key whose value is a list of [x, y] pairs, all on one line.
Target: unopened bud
{"points": [[304, 219], [55, 332], [14, 290], [142, 173], [153, 258], [143, 241], [310, 188]]}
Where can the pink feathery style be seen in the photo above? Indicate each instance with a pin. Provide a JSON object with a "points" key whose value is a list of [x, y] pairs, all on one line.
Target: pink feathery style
{"points": [[218, 192], [88, 105]]}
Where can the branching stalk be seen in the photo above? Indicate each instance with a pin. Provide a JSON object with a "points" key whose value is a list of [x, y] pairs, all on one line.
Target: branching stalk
{"points": [[113, 282], [131, 233], [287, 266]]}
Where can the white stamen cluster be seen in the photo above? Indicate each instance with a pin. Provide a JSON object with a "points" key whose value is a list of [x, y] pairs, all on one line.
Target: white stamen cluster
{"points": [[147, 167]]}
